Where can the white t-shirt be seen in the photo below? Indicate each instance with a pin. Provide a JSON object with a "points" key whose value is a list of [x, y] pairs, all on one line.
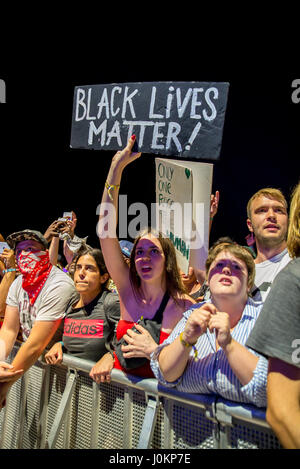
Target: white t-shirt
{"points": [[51, 304], [265, 273]]}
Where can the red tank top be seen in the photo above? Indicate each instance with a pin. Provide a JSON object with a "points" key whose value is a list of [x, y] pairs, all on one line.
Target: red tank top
{"points": [[145, 370]]}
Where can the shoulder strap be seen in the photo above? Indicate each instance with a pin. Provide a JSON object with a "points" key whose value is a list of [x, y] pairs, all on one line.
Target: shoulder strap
{"points": [[159, 313]]}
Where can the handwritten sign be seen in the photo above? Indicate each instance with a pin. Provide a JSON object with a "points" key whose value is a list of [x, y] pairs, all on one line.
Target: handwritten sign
{"points": [[183, 191], [174, 190], [182, 119]]}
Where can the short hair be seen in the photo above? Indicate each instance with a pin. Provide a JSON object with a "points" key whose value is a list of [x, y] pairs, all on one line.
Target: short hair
{"points": [[223, 240], [268, 192], [293, 238], [238, 251]]}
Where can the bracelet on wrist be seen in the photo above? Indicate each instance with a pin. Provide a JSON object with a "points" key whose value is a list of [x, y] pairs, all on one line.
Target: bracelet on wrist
{"points": [[8, 270], [110, 187], [188, 345]]}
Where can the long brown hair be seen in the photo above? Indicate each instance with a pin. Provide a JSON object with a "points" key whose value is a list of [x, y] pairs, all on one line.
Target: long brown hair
{"points": [[174, 285]]}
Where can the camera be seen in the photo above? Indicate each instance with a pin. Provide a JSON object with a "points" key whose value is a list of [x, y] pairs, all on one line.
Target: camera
{"points": [[62, 223]]}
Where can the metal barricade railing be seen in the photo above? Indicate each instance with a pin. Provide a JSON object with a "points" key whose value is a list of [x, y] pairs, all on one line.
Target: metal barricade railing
{"points": [[62, 407]]}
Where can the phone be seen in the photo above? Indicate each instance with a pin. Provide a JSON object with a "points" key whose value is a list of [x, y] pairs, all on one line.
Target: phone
{"points": [[68, 215], [3, 246]]}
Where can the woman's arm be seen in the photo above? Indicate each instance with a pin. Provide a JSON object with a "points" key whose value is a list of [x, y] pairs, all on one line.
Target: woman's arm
{"points": [[9, 263], [174, 357], [107, 226], [53, 250], [101, 372], [55, 354]]}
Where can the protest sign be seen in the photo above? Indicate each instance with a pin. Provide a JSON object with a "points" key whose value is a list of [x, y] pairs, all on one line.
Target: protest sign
{"points": [[183, 190], [182, 119]]}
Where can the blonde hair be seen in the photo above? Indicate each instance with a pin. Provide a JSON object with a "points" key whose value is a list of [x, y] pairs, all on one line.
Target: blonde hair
{"points": [[268, 192], [293, 239], [238, 251]]}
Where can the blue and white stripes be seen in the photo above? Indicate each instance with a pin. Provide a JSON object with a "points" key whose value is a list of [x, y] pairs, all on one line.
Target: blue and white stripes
{"points": [[211, 373]]}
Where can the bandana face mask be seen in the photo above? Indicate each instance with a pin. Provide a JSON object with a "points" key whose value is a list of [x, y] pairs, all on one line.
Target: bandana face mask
{"points": [[35, 268]]}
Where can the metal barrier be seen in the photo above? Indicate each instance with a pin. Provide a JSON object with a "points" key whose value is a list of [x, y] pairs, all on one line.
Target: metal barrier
{"points": [[62, 407]]}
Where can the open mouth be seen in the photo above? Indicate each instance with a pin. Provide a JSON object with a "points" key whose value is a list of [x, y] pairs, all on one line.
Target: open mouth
{"points": [[146, 269], [225, 281]]}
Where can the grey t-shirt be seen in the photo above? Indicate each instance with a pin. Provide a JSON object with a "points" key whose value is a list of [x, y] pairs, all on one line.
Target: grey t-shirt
{"points": [[277, 329], [51, 304]]}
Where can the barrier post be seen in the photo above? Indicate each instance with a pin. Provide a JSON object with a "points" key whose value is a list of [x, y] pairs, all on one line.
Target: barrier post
{"points": [[62, 410], [149, 421]]}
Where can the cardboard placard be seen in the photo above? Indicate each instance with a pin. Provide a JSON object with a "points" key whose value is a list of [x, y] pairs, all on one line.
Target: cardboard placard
{"points": [[182, 119], [183, 191]]}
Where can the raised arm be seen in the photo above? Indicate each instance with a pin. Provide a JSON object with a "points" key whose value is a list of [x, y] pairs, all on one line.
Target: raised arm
{"points": [[9, 263], [107, 226]]}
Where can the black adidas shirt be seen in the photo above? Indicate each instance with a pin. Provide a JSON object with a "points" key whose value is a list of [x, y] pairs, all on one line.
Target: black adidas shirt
{"points": [[88, 330]]}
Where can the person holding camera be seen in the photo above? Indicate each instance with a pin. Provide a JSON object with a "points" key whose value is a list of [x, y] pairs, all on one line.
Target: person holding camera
{"points": [[64, 229]]}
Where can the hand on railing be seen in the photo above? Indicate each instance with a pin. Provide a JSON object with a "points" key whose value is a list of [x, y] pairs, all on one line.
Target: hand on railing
{"points": [[102, 370], [55, 354]]}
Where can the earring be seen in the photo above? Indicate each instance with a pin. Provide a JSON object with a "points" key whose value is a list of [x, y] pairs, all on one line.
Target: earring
{"points": [[250, 239]]}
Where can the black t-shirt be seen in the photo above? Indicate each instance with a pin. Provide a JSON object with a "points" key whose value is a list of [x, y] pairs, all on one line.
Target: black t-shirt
{"points": [[88, 330]]}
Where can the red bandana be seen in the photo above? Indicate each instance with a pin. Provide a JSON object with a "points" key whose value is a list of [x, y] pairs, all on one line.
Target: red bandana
{"points": [[35, 268]]}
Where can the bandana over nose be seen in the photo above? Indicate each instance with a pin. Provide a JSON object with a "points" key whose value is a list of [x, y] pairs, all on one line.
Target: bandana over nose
{"points": [[35, 268]]}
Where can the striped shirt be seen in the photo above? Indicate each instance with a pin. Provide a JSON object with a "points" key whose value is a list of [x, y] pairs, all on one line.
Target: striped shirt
{"points": [[211, 373]]}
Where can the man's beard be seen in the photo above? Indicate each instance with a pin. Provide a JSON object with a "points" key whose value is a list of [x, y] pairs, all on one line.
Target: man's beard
{"points": [[270, 241]]}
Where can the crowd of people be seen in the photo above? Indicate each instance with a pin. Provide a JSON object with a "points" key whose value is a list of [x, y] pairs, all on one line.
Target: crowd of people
{"points": [[230, 331]]}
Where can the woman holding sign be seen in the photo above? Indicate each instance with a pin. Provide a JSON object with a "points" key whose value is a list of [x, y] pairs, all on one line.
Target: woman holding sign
{"points": [[150, 289]]}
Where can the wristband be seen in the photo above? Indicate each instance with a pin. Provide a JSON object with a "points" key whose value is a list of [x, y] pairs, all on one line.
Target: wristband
{"points": [[187, 345], [8, 270]]}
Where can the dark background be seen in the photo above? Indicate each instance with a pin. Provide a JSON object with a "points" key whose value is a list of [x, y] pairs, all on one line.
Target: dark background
{"points": [[41, 177]]}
